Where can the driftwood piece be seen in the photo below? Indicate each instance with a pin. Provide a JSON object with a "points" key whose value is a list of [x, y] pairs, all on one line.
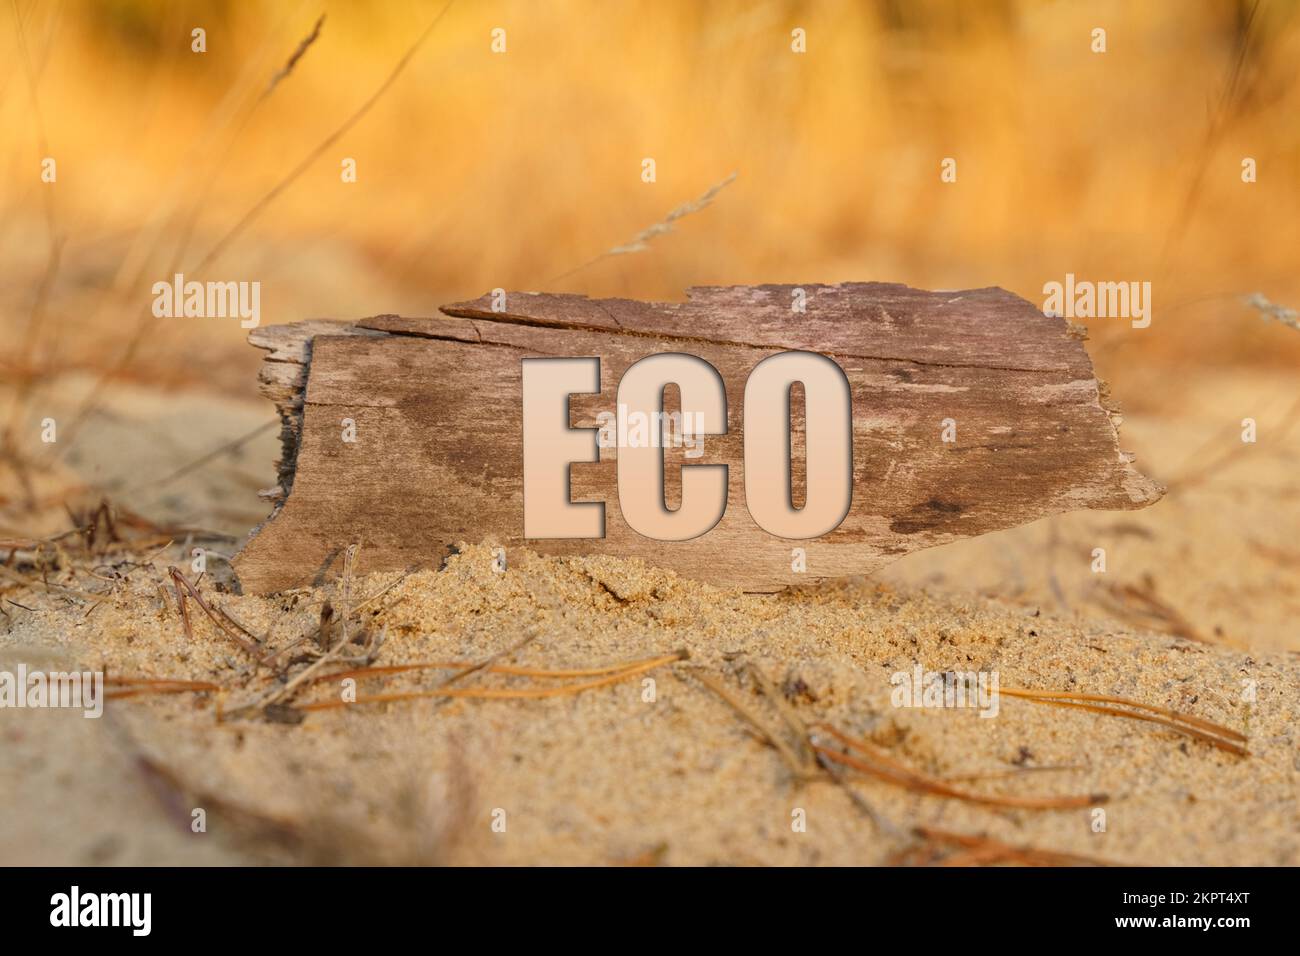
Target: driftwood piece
{"points": [[437, 458]]}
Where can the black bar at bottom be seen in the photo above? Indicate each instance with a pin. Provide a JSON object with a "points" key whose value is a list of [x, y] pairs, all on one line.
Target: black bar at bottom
{"points": [[224, 907]]}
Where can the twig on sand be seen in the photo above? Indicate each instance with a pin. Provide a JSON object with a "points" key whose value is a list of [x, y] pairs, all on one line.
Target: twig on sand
{"points": [[1139, 606], [143, 686], [1214, 734], [512, 670], [806, 763], [974, 850], [792, 720], [881, 765], [489, 661], [802, 769], [19, 578], [322, 627], [1015, 772], [632, 669], [224, 622], [331, 656], [177, 795]]}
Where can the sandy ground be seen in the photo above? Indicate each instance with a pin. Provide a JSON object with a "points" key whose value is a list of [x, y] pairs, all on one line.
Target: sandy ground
{"points": [[1195, 611], [615, 774]]}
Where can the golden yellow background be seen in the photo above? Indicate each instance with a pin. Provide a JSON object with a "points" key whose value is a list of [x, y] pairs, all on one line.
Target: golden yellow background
{"points": [[520, 169], [479, 170]]}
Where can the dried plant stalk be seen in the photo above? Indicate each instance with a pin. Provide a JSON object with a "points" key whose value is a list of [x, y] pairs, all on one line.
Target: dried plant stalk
{"points": [[1215, 734], [294, 57], [639, 242], [984, 851], [503, 693], [800, 768], [886, 767], [226, 624], [465, 666]]}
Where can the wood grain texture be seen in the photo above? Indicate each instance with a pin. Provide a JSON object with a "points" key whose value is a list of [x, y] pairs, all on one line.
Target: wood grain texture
{"points": [[438, 455]]}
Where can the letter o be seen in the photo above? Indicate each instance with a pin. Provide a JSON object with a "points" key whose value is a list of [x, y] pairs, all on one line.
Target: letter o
{"points": [[828, 446]]}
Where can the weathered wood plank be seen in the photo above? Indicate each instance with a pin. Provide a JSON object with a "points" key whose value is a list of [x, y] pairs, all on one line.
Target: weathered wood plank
{"points": [[985, 328], [437, 409]]}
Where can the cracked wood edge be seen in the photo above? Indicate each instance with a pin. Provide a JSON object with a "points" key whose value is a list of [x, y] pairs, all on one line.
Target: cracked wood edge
{"points": [[1016, 379], [283, 379], [975, 328]]}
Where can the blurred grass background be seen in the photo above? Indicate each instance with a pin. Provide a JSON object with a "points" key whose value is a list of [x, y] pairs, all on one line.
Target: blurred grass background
{"points": [[478, 170]]}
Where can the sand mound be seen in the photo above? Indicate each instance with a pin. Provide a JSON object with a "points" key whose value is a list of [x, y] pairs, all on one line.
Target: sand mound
{"points": [[649, 766]]}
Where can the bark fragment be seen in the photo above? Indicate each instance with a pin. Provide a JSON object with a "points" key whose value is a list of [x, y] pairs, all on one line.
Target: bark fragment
{"points": [[437, 411]]}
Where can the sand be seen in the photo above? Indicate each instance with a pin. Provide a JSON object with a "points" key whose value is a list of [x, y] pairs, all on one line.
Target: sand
{"points": [[609, 776]]}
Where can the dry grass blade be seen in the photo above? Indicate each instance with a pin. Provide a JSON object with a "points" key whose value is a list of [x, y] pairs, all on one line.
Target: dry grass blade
{"points": [[115, 681], [1273, 312], [1220, 118], [144, 686], [321, 147], [792, 720], [641, 240], [466, 667], [981, 851], [199, 462], [1106, 698], [233, 140], [489, 661], [806, 763], [1232, 449], [1215, 734], [504, 693], [345, 598], [229, 619], [317, 631], [27, 340], [891, 770], [19, 578], [801, 768], [1007, 774], [177, 796], [226, 624], [137, 338], [331, 655], [1140, 607], [294, 57]]}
